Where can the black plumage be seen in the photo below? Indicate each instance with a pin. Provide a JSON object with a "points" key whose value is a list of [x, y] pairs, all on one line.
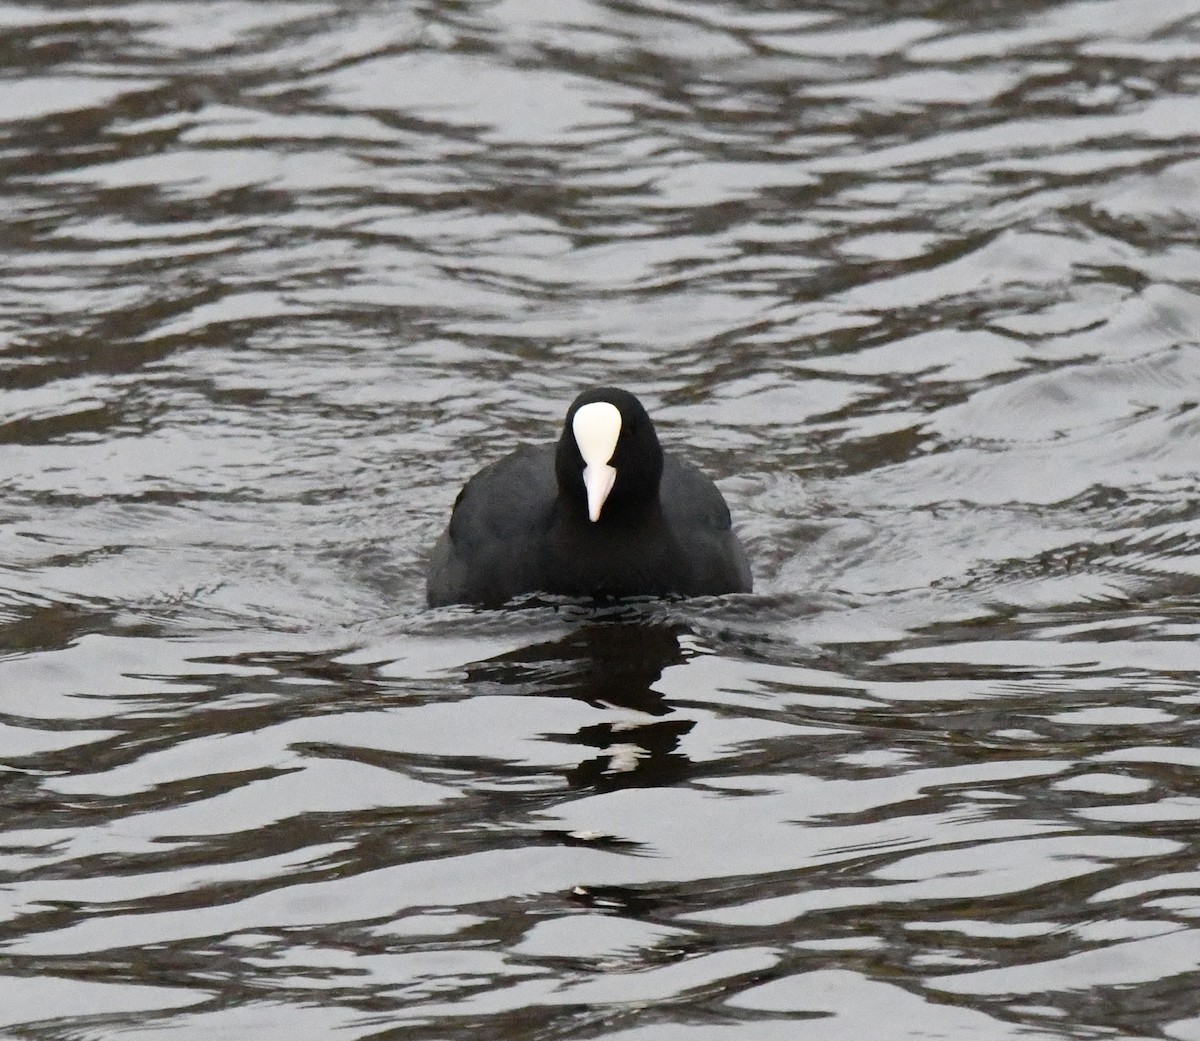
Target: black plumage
{"points": [[521, 524]]}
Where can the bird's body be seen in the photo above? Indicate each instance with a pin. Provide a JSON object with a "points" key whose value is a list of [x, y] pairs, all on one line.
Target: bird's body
{"points": [[524, 524]]}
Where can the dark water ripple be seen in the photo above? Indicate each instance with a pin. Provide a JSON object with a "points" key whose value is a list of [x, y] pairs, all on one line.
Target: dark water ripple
{"points": [[919, 285]]}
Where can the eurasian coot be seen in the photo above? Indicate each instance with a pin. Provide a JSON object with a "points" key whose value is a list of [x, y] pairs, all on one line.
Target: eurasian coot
{"points": [[605, 512]]}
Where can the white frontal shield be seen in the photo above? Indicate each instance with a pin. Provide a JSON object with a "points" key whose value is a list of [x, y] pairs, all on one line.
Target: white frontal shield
{"points": [[596, 427]]}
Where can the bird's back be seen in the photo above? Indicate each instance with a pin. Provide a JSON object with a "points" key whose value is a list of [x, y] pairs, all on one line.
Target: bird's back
{"points": [[698, 520], [493, 548]]}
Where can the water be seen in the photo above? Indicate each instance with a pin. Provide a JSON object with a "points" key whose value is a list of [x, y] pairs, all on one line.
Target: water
{"points": [[918, 284]]}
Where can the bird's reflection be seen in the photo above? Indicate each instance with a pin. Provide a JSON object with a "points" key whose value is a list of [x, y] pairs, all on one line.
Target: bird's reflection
{"points": [[607, 664]]}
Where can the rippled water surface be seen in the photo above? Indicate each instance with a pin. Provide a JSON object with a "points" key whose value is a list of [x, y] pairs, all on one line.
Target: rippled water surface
{"points": [[918, 283]]}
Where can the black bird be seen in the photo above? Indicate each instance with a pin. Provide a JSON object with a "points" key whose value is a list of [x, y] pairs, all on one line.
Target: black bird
{"points": [[602, 513]]}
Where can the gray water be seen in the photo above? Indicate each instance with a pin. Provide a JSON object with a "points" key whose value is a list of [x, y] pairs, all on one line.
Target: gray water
{"points": [[918, 284]]}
